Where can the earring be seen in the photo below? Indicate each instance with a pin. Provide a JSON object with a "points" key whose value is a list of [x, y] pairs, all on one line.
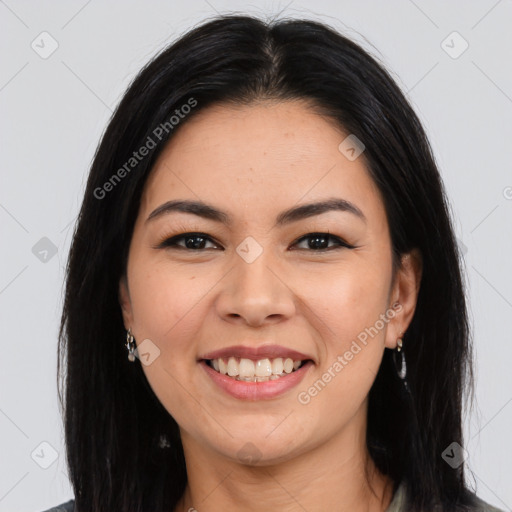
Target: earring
{"points": [[401, 368], [130, 345]]}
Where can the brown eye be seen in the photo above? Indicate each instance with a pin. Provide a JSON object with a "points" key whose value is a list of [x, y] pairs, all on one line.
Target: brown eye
{"points": [[192, 241], [320, 242]]}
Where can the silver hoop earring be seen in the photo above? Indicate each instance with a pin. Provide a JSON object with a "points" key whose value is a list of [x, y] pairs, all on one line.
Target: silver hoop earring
{"points": [[130, 345]]}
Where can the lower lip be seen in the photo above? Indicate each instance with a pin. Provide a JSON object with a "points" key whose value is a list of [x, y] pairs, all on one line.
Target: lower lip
{"points": [[256, 390]]}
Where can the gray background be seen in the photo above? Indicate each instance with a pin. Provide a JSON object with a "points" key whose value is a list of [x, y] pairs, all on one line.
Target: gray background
{"points": [[53, 111]]}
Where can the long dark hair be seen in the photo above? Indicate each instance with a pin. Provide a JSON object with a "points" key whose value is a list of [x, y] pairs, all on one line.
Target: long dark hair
{"points": [[123, 448]]}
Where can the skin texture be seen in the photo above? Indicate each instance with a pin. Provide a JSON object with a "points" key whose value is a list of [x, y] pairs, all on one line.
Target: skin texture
{"points": [[253, 162]]}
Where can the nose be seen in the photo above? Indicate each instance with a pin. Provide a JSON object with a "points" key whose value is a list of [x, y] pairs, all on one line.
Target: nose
{"points": [[255, 293]]}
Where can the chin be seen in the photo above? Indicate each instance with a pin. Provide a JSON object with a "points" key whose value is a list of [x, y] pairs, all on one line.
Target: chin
{"points": [[261, 449]]}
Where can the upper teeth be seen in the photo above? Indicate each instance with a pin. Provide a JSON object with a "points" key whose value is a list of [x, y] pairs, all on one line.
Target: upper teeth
{"points": [[247, 368]]}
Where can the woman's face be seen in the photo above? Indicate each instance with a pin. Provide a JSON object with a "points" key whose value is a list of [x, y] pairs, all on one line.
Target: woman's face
{"points": [[256, 277]]}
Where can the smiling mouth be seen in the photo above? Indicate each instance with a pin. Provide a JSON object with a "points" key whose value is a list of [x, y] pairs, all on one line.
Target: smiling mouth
{"points": [[261, 370]]}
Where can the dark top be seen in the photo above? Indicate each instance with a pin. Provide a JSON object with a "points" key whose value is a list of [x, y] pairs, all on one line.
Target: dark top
{"points": [[396, 505], [69, 506]]}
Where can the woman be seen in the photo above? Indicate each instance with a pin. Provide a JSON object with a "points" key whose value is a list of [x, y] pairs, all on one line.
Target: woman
{"points": [[264, 305]]}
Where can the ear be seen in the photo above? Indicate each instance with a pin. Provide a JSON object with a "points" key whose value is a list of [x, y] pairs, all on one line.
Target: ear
{"points": [[404, 293], [125, 302]]}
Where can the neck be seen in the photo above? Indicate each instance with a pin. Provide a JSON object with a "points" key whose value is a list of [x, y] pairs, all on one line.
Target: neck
{"points": [[336, 475]]}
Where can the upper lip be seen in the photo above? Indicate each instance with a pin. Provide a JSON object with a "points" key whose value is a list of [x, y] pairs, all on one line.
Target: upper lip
{"points": [[256, 353]]}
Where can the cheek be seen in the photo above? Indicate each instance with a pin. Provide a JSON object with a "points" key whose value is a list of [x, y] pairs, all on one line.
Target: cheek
{"points": [[352, 334], [167, 310], [348, 302], [164, 302], [348, 307]]}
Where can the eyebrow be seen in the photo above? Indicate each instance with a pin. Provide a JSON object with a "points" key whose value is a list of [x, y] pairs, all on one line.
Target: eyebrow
{"points": [[286, 217]]}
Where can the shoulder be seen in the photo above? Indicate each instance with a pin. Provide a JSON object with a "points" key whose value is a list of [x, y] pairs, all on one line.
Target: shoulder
{"points": [[479, 505], [474, 503], [69, 506]]}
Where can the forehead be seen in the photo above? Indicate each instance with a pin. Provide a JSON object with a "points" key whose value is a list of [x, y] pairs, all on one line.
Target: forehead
{"points": [[264, 155]]}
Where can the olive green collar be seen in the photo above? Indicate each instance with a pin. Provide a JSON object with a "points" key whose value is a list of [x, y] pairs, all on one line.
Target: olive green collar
{"points": [[398, 502]]}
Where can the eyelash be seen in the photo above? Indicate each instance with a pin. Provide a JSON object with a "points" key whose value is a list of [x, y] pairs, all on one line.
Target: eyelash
{"points": [[171, 242]]}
